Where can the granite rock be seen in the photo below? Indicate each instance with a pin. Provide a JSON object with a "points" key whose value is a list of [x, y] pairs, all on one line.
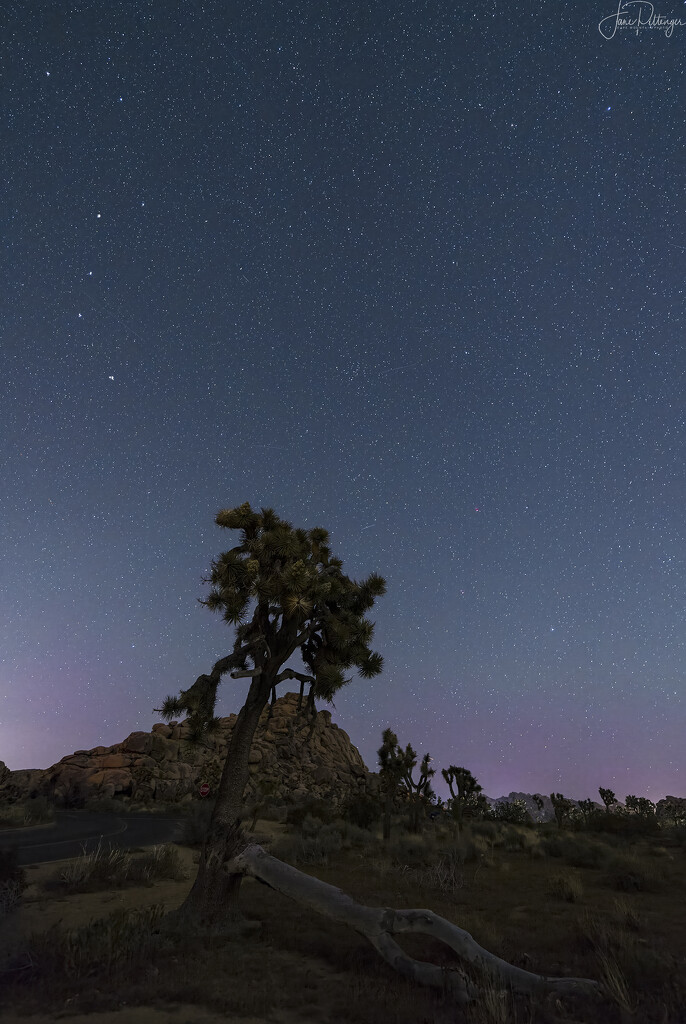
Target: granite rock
{"points": [[292, 753]]}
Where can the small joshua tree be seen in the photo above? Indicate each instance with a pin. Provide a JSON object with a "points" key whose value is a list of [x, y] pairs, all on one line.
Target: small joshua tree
{"points": [[392, 768], [608, 798], [468, 795], [641, 806], [538, 800], [587, 808], [398, 764], [562, 808]]}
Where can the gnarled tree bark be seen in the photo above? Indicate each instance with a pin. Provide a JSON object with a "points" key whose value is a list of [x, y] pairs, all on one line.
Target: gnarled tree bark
{"points": [[380, 924]]}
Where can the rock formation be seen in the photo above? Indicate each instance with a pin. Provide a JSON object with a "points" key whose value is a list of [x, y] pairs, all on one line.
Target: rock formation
{"points": [[672, 809], [293, 754]]}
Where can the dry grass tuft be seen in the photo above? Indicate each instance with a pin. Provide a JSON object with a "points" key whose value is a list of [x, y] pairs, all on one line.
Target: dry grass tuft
{"points": [[565, 886]]}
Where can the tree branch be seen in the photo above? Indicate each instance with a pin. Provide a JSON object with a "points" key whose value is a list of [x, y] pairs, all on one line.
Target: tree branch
{"points": [[289, 673], [248, 673], [379, 924]]}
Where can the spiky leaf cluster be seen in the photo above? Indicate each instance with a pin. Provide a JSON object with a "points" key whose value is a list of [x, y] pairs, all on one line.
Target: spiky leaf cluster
{"points": [[608, 797], [391, 762], [463, 780], [198, 703], [298, 587], [301, 599]]}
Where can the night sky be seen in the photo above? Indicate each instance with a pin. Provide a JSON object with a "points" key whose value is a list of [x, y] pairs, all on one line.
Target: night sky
{"points": [[413, 272]]}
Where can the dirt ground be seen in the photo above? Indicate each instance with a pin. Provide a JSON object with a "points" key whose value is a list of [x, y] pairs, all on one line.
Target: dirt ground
{"points": [[39, 910]]}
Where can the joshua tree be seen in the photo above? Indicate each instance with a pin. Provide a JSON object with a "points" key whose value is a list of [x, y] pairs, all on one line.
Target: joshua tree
{"points": [[392, 768], [468, 792], [608, 798], [561, 806], [640, 805], [587, 808], [400, 763], [303, 602], [538, 800]]}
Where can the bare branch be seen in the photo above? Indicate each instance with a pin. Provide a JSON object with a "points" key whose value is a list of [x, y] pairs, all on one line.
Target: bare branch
{"points": [[248, 673], [378, 924]]}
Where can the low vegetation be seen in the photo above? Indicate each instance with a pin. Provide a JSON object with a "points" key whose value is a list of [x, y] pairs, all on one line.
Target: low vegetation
{"points": [[34, 812], [545, 898]]}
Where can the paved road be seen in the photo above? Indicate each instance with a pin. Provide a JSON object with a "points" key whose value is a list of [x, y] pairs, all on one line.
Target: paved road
{"points": [[73, 830]]}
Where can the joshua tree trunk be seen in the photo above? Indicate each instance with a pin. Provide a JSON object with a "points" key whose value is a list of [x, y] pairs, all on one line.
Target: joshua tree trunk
{"points": [[212, 903], [388, 803], [415, 814]]}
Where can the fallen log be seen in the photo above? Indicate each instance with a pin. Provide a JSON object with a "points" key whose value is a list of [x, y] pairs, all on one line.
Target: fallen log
{"points": [[379, 924]]}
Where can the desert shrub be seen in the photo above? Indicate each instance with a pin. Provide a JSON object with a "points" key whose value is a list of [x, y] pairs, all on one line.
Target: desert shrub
{"points": [[103, 944], [363, 811], [627, 874], [108, 805], [444, 877], [553, 845], [679, 834], [12, 880], [10, 896], [311, 806], [624, 825], [36, 810], [413, 851], [513, 838], [626, 915], [354, 836], [565, 887], [635, 975], [286, 848], [10, 870], [158, 863], [316, 844], [465, 850], [513, 812], [487, 829], [275, 812], [582, 854], [74, 797]]}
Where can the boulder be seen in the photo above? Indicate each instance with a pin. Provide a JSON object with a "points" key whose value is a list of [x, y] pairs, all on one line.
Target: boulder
{"points": [[292, 754], [672, 808]]}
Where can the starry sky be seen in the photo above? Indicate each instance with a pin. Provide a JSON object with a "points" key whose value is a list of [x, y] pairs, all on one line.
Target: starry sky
{"points": [[410, 271]]}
